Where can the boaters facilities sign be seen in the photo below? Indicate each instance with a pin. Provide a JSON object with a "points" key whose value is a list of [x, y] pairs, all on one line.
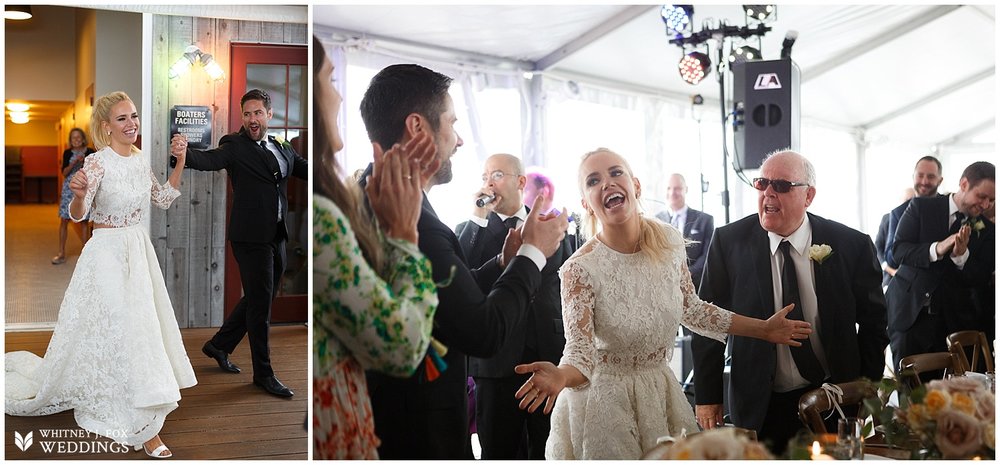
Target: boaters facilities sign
{"points": [[194, 122]]}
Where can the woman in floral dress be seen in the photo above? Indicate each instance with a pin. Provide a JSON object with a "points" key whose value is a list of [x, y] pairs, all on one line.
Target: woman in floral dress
{"points": [[373, 296]]}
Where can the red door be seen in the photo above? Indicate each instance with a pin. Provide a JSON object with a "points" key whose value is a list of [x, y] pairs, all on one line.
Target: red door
{"points": [[281, 71]]}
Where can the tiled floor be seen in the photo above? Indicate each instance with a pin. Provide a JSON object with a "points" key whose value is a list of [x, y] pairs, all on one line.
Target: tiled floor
{"points": [[34, 287]]}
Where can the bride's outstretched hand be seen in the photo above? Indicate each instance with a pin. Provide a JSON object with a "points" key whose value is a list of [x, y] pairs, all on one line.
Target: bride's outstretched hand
{"points": [[780, 330], [544, 385]]}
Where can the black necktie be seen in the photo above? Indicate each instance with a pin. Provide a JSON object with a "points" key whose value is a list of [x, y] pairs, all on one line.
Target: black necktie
{"points": [[805, 358], [511, 222], [957, 224]]}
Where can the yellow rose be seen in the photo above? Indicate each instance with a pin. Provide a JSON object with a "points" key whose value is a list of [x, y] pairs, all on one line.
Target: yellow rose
{"points": [[963, 403], [935, 401], [989, 435], [916, 416]]}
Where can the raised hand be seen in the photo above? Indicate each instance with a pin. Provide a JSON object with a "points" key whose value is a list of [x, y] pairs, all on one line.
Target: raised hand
{"points": [[394, 187], [961, 240], [178, 148], [544, 231], [78, 184], [543, 387], [780, 330], [511, 243], [484, 211]]}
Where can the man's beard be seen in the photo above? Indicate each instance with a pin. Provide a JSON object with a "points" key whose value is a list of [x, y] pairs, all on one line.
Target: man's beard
{"points": [[443, 175]]}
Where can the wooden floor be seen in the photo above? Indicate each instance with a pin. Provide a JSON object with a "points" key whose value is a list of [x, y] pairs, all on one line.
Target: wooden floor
{"points": [[223, 417]]}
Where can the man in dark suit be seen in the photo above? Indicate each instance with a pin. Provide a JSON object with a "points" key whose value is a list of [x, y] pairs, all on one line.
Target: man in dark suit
{"points": [[946, 251], [882, 240], [774, 258], [696, 226], [258, 166], [478, 310], [500, 423], [926, 180]]}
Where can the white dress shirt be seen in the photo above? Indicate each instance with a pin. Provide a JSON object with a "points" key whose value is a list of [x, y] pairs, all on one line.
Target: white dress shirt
{"points": [[787, 376]]}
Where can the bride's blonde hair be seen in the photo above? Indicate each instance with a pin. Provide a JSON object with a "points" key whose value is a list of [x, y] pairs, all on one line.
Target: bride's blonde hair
{"points": [[102, 113], [654, 240]]}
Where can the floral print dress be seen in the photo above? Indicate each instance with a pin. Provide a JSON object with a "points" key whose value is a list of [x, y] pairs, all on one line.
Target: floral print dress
{"points": [[361, 322]]}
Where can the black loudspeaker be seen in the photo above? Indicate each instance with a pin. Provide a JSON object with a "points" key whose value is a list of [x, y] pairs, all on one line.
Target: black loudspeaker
{"points": [[766, 105]]}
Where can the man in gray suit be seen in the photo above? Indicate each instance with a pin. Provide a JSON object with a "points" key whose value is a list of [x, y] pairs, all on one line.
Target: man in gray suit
{"points": [[776, 257], [695, 225]]}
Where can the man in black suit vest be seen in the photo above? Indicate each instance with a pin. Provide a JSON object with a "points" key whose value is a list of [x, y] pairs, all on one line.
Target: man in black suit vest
{"points": [[258, 166], [500, 423], [478, 310], [773, 258], [946, 252]]}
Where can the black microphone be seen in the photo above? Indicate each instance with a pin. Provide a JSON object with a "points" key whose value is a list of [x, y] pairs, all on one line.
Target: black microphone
{"points": [[484, 199], [786, 46]]}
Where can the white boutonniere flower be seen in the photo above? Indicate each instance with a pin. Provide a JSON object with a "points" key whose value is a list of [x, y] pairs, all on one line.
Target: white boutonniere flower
{"points": [[282, 142], [976, 224], [820, 252]]}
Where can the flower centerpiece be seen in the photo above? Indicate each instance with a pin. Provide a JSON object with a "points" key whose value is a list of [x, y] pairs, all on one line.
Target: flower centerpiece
{"points": [[943, 419], [717, 444]]}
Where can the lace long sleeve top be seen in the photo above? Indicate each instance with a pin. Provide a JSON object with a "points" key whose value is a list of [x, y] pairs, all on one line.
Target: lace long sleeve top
{"points": [[120, 189], [634, 303]]}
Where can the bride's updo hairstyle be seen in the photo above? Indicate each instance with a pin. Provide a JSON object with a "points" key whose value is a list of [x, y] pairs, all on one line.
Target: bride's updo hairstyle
{"points": [[654, 240], [102, 113]]}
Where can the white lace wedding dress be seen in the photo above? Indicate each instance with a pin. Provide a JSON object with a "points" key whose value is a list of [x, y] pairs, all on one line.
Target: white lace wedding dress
{"points": [[116, 356], [621, 313]]}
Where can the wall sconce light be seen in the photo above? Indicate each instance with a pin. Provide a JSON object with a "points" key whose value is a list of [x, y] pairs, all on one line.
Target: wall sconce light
{"points": [[193, 54], [17, 12]]}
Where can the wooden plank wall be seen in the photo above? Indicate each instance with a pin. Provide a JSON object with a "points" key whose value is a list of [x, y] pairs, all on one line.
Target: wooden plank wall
{"points": [[189, 238]]}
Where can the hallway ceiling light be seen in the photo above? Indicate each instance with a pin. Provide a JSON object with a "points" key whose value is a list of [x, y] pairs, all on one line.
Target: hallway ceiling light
{"points": [[18, 117], [19, 107], [694, 66], [17, 12]]}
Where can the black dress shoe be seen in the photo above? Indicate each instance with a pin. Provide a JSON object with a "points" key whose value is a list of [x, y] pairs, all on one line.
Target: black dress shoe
{"points": [[220, 357], [273, 386]]}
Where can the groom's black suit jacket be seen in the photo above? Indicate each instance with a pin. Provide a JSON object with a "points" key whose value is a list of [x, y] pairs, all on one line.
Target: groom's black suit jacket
{"points": [[543, 328], [477, 311], [738, 277], [257, 183], [924, 221]]}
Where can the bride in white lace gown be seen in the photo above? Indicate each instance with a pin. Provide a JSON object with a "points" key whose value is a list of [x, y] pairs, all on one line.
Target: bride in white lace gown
{"points": [[624, 293], [116, 357]]}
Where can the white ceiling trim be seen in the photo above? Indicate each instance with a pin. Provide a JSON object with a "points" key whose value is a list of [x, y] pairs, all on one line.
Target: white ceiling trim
{"points": [[298, 14], [589, 37], [930, 97], [872, 43]]}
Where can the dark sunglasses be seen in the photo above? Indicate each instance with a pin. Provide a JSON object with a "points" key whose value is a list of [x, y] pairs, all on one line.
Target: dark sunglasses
{"points": [[780, 185]]}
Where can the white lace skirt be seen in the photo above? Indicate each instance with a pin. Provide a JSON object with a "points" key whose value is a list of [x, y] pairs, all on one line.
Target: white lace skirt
{"points": [[116, 356], [619, 415]]}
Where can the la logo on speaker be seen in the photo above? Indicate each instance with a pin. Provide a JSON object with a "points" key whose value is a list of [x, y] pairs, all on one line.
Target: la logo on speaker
{"points": [[767, 81]]}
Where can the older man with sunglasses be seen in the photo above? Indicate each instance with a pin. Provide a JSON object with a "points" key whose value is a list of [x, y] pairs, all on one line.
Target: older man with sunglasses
{"points": [[779, 256]]}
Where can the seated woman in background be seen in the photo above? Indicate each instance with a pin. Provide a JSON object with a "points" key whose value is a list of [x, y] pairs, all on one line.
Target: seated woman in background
{"points": [[373, 296]]}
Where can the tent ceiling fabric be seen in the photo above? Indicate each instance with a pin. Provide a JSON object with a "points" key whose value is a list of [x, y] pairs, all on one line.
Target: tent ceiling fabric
{"points": [[920, 72]]}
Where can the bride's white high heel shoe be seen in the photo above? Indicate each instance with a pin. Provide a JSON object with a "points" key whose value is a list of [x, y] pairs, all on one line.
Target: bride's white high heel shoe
{"points": [[156, 452]]}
